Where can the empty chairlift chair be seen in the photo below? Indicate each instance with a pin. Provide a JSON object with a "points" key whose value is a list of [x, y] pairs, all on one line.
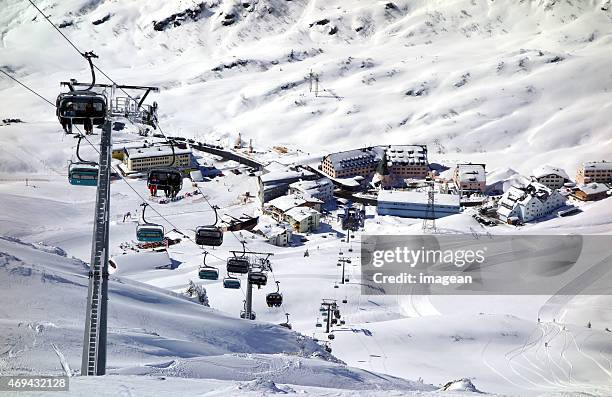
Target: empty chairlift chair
{"points": [[258, 278], [210, 235], [231, 283], [207, 272], [82, 173], [149, 232], [238, 265]]}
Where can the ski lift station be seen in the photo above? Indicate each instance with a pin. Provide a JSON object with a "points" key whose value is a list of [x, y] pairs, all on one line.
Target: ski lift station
{"points": [[415, 204]]}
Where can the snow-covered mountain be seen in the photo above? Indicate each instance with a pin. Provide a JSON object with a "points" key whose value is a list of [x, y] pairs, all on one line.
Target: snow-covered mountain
{"points": [[508, 83], [513, 84]]}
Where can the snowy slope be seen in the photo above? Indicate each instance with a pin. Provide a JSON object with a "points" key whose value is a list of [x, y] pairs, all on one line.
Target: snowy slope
{"points": [[151, 331]]}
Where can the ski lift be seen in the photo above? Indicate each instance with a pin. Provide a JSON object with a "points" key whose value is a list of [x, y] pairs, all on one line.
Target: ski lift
{"points": [[286, 324], [334, 321], [231, 282], [336, 286], [337, 313], [350, 249], [168, 179], [342, 322], [210, 235], [149, 232], [275, 299], [258, 278], [319, 325], [331, 337], [346, 280], [238, 265], [82, 106], [344, 300], [83, 173], [339, 264], [207, 272]]}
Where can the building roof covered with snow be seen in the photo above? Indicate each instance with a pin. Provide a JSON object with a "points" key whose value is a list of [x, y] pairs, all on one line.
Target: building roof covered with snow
{"points": [[155, 151], [547, 169], [355, 158], [314, 185], [598, 165], [300, 213], [406, 154], [280, 175], [594, 188], [396, 196], [471, 172]]}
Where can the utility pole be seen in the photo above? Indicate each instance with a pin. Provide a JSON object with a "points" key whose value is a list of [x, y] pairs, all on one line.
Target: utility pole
{"points": [[329, 305], [429, 220], [343, 261], [248, 305], [249, 298], [94, 340], [94, 343]]}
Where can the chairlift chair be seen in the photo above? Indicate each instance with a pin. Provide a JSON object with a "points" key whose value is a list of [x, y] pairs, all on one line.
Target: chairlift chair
{"points": [[258, 278], [208, 273], [231, 283], [166, 179], [337, 313], [84, 107], [81, 107], [239, 265], [319, 325], [82, 173], [275, 299], [149, 232], [210, 235], [331, 337]]}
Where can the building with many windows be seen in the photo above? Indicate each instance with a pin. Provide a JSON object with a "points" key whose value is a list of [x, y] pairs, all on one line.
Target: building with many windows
{"points": [[596, 171], [470, 178], [552, 177], [403, 161], [143, 159], [351, 163], [322, 189], [409, 204], [275, 182], [303, 219], [529, 203], [407, 161]]}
